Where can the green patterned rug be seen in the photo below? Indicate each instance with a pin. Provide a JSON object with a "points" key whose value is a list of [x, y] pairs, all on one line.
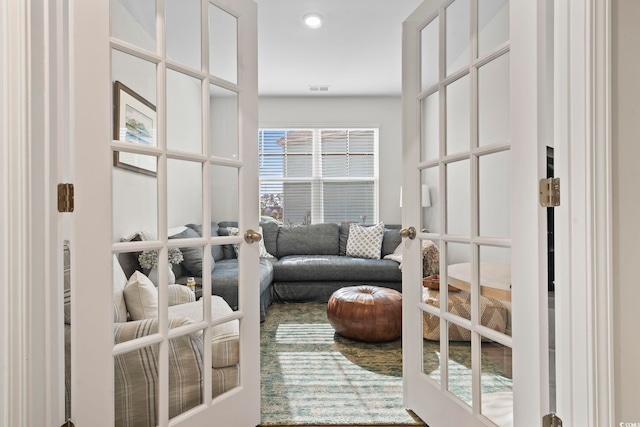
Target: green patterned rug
{"points": [[312, 376]]}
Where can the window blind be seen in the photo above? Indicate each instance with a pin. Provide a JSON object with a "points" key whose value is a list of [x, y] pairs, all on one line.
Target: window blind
{"points": [[319, 175]]}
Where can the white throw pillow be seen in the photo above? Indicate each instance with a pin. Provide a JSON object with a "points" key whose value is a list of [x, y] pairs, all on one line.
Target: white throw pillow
{"points": [[233, 231], [141, 297], [119, 282], [396, 255], [263, 249], [365, 242]]}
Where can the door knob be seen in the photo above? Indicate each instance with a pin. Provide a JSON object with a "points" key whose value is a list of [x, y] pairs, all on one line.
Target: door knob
{"points": [[252, 236], [408, 232]]}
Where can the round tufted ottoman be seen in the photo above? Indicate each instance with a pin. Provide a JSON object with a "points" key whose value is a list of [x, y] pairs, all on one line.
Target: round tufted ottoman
{"points": [[366, 313]]}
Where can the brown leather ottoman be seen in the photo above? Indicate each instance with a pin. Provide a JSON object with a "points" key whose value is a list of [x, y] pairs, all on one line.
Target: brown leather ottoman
{"points": [[366, 313]]}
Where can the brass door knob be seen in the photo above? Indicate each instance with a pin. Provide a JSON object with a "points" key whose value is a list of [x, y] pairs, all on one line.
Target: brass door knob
{"points": [[252, 236], [408, 232]]}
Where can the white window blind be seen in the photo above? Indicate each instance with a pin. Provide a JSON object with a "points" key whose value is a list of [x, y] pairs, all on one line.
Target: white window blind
{"points": [[319, 175]]}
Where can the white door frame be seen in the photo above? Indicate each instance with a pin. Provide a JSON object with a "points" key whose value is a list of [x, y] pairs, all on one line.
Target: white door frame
{"points": [[584, 337], [588, 353], [32, 345]]}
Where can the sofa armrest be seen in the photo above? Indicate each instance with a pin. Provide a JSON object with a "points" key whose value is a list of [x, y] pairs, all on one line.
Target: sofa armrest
{"points": [[179, 294], [136, 374]]}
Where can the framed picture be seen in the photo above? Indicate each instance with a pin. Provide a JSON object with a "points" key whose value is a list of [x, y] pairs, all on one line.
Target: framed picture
{"points": [[135, 121]]}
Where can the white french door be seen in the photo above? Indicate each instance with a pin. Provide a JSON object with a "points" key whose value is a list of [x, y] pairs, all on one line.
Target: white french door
{"points": [[472, 161], [164, 116]]}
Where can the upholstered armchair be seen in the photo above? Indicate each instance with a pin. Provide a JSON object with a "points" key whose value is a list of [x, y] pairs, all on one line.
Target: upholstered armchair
{"points": [[136, 375]]}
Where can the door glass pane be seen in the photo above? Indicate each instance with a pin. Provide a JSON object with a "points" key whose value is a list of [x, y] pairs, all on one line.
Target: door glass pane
{"points": [[184, 112], [223, 122], [458, 115], [134, 21], [458, 32], [224, 194], [223, 44], [225, 351], [459, 363], [459, 198], [183, 32], [134, 99], [430, 132], [430, 200], [184, 193], [494, 194], [134, 189], [495, 288], [493, 24], [493, 102], [459, 276], [136, 377], [186, 368], [496, 383], [431, 344], [430, 53]]}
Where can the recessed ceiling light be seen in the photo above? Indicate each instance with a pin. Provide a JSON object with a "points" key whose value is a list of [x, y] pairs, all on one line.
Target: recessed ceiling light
{"points": [[313, 20]]}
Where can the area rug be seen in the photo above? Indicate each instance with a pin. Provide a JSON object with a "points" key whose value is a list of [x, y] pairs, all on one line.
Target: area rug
{"points": [[312, 376]]}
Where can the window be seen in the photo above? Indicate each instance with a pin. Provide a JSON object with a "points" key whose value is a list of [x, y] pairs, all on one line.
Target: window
{"points": [[309, 176]]}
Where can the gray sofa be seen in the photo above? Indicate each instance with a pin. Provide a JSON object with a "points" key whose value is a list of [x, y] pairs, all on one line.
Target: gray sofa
{"points": [[309, 264]]}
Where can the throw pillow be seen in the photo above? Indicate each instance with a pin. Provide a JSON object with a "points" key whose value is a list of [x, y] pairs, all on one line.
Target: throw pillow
{"points": [[216, 250], [365, 242], [141, 297], [396, 255], [192, 256], [233, 231], [261, 247], [119, 283]]}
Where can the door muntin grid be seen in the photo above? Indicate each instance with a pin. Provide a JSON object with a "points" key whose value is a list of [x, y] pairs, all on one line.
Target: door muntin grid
{"points": [[183, 158], [464, 166]]}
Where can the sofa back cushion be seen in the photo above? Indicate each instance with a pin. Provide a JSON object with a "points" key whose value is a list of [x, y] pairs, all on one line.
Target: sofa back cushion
{"points": [[315, 239], [391, 239]]}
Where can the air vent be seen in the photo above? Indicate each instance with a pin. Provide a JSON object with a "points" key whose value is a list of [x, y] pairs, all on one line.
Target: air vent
{"points": [[319, 88]]}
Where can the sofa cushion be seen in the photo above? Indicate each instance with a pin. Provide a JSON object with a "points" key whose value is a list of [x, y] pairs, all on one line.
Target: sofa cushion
{"points": [[312, 268], [344, 236], [141, 297], [391, 239], [224, 281], [315, 239], [192, 255], [365, 242]]}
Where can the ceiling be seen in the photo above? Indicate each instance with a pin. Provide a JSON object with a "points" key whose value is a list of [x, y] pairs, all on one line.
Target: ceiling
{"points": [[356, 52]]}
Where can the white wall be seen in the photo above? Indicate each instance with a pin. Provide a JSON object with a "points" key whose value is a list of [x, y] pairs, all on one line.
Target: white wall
{"points": [[323, 110], [626, 205]]}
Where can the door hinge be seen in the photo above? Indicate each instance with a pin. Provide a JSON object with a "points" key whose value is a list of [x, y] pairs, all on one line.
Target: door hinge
{"points": [[550, 192], [69, 423], [65, 197], [551, 420]]}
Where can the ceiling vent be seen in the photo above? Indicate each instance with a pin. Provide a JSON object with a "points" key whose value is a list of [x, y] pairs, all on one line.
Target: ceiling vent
{"points": [[319, 88]]}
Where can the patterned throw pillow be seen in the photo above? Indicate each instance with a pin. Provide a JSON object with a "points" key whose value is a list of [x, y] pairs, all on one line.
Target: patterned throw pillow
{"points": [[233, 231], [263, 249], [365, 242]]}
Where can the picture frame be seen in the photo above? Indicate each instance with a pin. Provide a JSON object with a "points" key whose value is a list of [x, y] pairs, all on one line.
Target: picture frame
{"points": [[134, 121]]}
